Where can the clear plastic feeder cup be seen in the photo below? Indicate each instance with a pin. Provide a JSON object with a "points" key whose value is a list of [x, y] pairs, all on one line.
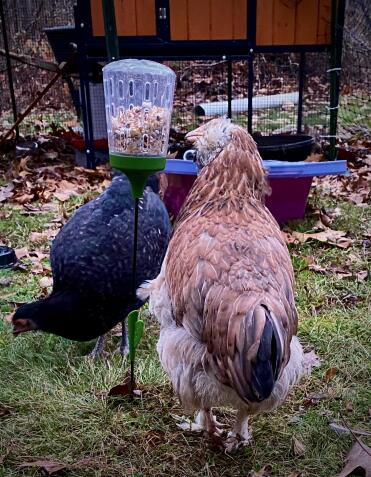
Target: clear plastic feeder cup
{"points": [[139, 100]]}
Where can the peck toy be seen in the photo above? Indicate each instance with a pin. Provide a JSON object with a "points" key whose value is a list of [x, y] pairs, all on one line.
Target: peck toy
{"points": [[138, 100]]}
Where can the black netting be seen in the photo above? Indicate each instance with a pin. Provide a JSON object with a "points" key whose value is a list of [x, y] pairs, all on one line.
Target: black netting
{"points": [[355, 100]]}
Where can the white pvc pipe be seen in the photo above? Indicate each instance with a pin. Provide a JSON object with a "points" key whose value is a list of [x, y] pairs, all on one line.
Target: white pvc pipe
{"points": [[240, 105]]}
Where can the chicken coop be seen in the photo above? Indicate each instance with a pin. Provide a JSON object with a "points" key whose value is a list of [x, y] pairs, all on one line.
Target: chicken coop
{"points": [[247, 59]]}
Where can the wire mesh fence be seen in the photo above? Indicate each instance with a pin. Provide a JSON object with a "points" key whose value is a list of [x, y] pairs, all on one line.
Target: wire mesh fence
{"points": [[355, 100], [199, 82], [202, 91], [25, 21]]}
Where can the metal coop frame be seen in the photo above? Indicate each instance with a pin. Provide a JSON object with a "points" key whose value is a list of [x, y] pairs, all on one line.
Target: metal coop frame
{"points": [[207, 29]]}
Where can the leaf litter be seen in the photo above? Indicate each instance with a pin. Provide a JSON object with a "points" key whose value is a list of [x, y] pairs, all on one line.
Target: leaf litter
{"points": [[358, 459], [52, 174], [49, 467], [297, 447]]}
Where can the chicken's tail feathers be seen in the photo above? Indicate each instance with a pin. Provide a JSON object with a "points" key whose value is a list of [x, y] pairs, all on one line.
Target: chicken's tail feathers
{"points": [[250, 351], [267, 364]]}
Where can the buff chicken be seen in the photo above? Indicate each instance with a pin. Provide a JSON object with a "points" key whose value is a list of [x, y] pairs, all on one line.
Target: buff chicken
{"points": [[225, 295]]}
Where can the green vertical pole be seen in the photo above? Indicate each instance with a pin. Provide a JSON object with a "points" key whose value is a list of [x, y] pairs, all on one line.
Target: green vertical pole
{"points": [[112, 43], [337, 23]]}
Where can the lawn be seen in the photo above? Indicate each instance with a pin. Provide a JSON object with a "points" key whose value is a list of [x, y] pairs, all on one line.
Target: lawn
{"points": [[53, 399]]}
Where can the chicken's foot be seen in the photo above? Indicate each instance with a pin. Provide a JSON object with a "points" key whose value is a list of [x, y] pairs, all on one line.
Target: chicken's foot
{"points": [[204, 421], [240, 435]]}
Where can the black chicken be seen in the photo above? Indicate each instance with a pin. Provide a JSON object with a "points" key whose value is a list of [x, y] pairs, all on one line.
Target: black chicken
{"points": [[91, 260]]}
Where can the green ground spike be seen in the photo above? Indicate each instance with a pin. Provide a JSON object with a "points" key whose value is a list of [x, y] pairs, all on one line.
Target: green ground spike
{"points": [[135, 332]]}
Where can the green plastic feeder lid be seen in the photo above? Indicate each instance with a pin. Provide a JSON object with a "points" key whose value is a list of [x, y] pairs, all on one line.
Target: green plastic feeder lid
{"points": [[137, 169]]}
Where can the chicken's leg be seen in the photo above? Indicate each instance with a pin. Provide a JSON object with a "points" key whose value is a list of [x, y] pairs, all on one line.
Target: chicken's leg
{"points": [[240, 434], [124, 347], [98, 348]]}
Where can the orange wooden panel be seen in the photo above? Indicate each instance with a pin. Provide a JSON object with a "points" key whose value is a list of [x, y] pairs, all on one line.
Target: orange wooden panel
{"points": [[146, 19], [178, 19], [284, 22], [240, 19], [221, 25], [264, 22], [199, 19], [125, 11], [324, 22], [306, 24], [97, 17]]}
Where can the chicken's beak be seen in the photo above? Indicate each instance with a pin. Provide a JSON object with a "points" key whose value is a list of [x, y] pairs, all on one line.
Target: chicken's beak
{"points": [[20, 325], [194, 135]]}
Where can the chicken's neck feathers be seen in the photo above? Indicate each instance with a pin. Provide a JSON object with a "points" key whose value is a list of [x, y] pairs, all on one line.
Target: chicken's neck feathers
{"points": [[234, 177]]}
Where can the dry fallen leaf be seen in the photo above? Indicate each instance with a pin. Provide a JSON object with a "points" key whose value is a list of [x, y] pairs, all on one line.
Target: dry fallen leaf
{"points": [[24, 198], [4, 411], [6, 192], [296, 473], [362, 275], [38, 237], [315, 158], [49, 467], [124, 389], [313, 399], [333, 237], [265, 471], [330, 373], [330, 270], [46, 282], [359, 458], [63, 195], [348, 430], [21, 252], [297, 447]]}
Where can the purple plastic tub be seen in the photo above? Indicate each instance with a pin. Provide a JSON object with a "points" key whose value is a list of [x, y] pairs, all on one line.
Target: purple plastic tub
{"points": [[289, 198], [290, 183]]}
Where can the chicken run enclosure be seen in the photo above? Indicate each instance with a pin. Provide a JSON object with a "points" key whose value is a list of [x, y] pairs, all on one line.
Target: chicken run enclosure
{"points": [[273, 66], [226, 53]]}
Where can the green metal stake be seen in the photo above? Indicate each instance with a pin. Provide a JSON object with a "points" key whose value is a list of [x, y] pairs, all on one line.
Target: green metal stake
{"points": [[135, 326], [112, 43]]}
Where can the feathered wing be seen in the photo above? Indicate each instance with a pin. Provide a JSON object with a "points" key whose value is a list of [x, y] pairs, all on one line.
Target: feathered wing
{"points": [[231, 286], [93, 251]]}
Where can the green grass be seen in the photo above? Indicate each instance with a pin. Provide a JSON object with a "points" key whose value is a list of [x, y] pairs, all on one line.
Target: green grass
{"points": [[57, 397], [355, 110]]}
